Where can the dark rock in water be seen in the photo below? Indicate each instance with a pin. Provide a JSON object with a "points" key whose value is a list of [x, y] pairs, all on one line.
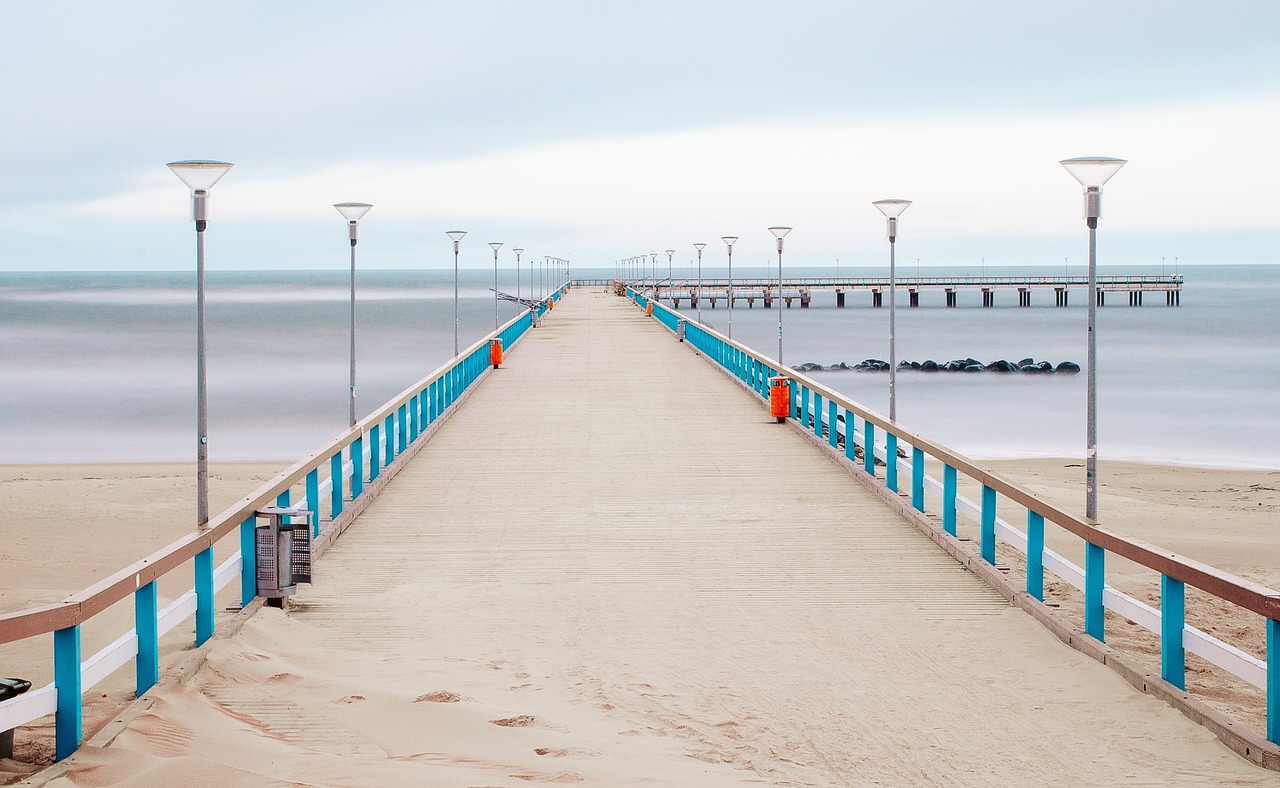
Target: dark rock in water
{"points": [[1045, 366], [929, 366], [904, 365], [915, 365], [955, 366], [974, 368], [1025, 362], [809, 366], [1031, 369], [841, 366], [1069, 368], [1001, 366]]}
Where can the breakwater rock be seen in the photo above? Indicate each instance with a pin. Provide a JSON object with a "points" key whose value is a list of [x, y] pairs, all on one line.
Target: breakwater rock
{"points": [[1027, 366]]}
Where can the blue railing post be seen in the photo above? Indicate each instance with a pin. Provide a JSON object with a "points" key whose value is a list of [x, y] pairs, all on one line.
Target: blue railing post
{"points": [[389, 441], [147, 664], [1035, 555], [891, 461], [917, 478], [949, 499], [69, 722], [1094, 581], [795, 399], [357, 467], [375, 437], [817, 414], [988, 536], [313, 500], [402, 433], [413, 418], [1173, 617], [850, 432], [833, 436], [1273, 681], [335, 493], [248, 561], [868, 447], [204, 595]]}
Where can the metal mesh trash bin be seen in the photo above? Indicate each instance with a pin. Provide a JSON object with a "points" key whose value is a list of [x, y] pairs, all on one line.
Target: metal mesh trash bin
{"points": [[283, 552]]}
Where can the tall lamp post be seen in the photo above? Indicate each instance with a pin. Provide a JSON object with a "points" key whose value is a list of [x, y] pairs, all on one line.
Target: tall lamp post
{"points": [[670, 273], [495, 247], [729, 241], [200, 176], [517, 251], [699, 247], [456, 236], [780, 233], [1092, 172], [352, 212], [892, 209]]}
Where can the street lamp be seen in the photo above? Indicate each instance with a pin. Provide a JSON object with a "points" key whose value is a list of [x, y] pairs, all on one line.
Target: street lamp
{"points": [[699, 247], [455, 236], [1092, 172], [729, 241], [669, 271], [892, 209], [780, 233], [517, 251], [352, 212], [200, 176], [495, 247]]}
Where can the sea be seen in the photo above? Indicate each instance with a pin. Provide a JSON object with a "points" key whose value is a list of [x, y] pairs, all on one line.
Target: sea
{"points": [[100, 367]]}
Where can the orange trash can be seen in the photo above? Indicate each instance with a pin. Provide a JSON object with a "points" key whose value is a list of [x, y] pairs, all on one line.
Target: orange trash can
{"points": [[780, 398], [495, 352], [648, 308]]}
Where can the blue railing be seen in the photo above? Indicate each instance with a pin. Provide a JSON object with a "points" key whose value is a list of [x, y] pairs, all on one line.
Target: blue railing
{"points": [[847, 427], [338, 480]]}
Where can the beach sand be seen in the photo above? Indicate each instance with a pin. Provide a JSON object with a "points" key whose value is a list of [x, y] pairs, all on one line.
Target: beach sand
{"points": [[1222, 517]]}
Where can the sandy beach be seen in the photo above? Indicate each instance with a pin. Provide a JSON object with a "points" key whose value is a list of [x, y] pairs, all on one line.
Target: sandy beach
{"points": [[1219, 516]]}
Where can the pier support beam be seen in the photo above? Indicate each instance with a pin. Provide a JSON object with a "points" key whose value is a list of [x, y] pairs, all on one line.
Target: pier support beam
{"points": [[805, 298], [877, 299], [915, 297], [839, 299], [1061, 294], [1024, 296], [951, 298], [988, 297]]}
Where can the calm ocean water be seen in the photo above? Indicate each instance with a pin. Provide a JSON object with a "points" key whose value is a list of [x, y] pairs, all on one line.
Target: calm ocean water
{"points": [[100, 366]]}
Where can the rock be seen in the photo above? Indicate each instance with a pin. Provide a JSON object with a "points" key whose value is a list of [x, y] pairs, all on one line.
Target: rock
{"points": [[1026, 361], [929, 366], [1069, 368], [809, 366], [1001, 366], [974, 368]]}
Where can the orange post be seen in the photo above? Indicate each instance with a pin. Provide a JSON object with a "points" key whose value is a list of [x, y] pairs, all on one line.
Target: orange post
{"points": [[495, 352], [780, 398], [648, 308]]}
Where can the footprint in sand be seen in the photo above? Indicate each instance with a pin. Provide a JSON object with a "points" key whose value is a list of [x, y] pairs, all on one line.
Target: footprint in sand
{"points": [[522, 721], [441, 696], [350, 699]]}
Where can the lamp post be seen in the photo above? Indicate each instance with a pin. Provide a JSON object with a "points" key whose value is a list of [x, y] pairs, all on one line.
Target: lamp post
{"points": [[729, 240], [456, 236], [1092, 172], [200, 176], [669, 271], [495, 247], [780, 233], [699, 247], [517, 251], [352, 212], [892, 209]]}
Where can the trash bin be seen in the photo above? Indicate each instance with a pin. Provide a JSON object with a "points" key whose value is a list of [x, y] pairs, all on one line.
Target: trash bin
{"points": [[680, 329], [10, 688], [283, 552], [780, 397], [495, 352]]}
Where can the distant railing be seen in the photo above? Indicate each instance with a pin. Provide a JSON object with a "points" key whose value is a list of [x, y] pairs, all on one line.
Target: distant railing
{"points": [[835, 418], [341, 472], [1157, 282]]}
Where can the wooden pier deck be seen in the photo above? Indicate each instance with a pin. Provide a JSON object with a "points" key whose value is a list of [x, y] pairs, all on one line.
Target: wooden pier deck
{"points": [[811, 637]]}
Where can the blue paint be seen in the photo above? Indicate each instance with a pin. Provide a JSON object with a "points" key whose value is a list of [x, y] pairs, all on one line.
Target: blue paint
{"points": [[1094, 580], [949, 499], [817, 414], [69, 722], [357, 468], [412, 408], [869, 447], [850, 436], [795, 399], [375, 439], [1173, 617], [313, 500], [335, 492], [833, 435], [891, 461], [204, 595], [1035, 555], [1273, 681], [389, 440], [988, 535], [917, 478], [248, 561], [147, 663], [804, 407], [402, 432]]}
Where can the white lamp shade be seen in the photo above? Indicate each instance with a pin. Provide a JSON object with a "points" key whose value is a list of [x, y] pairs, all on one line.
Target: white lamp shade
{"points": [[671, 251], [780, 232], [199, 174], [495, 247], [352, 211], [729, 239], [1093, 171], [699, 247], [892, 208], [517, 250], [456, 235]]}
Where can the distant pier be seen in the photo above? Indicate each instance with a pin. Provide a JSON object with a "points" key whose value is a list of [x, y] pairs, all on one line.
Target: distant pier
{"points": [[800, 291]]}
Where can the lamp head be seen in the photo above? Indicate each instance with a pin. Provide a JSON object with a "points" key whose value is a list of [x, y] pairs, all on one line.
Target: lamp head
{"points": [[729, 240], [1093, 171], [892, 208], [352, 211], [495, 246], [699, 247], [199, 174], [517, 250], [456, 235], [780, 232]]}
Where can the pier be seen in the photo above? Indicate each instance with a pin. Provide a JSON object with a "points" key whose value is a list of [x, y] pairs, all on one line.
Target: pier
{"points": [[873, 291], [613, 520]]}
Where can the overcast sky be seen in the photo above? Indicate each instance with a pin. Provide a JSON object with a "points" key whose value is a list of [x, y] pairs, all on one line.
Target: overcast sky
{"points": [[600, 130]]}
